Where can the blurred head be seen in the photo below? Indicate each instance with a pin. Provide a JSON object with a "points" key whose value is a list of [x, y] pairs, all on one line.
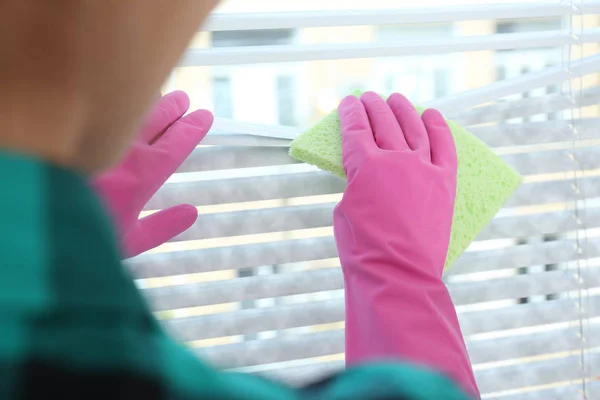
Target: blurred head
{"points": [[86, 72]]}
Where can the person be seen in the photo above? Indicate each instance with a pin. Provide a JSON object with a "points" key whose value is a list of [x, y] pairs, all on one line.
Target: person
{"points": [[76, 78]]}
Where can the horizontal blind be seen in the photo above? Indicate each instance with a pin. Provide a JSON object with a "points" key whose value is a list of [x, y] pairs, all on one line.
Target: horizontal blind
{"points": [[255, 285]]}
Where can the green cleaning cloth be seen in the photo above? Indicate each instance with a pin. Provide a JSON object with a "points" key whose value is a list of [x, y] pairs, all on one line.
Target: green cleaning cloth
{"points": [[484, 180]]}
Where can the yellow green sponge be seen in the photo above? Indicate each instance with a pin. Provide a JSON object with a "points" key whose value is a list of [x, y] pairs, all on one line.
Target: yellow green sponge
{"points": [[484, 181]]}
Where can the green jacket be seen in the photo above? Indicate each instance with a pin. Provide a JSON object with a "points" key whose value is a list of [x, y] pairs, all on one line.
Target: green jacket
{"points": [[74, 326]]}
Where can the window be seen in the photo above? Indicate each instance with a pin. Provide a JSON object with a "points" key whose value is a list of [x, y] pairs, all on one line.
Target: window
{"points": [[286, 100], [223, 104], [421, 78], [236, 89], [256, 286], [536, 25], [252, 38]]}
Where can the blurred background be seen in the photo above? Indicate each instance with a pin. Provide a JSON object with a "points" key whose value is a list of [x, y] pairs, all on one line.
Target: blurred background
{"points": [[299, 94], [255, 285]]}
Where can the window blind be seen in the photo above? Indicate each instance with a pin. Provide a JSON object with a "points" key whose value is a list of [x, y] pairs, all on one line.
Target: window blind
{"points": [[255, 284]]}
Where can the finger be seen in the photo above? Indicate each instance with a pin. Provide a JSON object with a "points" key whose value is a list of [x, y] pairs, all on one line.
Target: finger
{"points": [[158, 228], [357, 136], [443, 150], [178, 142], [386, 130], [411, 124], [169, 109]]}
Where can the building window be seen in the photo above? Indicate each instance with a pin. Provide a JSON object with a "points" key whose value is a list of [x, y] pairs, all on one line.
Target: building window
{"points": [[222, 99], [255, 93], [266, 37], [534, 25], [441, 77], [286, 98], [420, 78]]}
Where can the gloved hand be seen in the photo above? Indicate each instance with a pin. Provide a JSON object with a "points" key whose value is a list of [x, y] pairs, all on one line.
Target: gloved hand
{"points": [[164, 142], [392, 230]]}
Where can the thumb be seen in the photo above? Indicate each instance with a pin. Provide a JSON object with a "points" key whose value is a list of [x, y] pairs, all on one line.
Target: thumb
{"points": [[158, 228]]}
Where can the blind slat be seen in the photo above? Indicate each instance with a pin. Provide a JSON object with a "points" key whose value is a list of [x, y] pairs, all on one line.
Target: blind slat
{"points": [[540, 224], [523, 286], [324, 18], [546, 253], [567, 392], [249, 222], [554, 192], [501, 111], [493, 380], [320, 344], [552, 161], [536, 373], [532, 345], [280, 219], [310, 281], [273, 131], [245, 289], [231, 157], [530, 163], [269, 187], [234, 257], [525, 316], [324, 312], [281, 186], [536, 132], [268, 351], [291, 251], [256, 320], [242, 139], [317, 52]]}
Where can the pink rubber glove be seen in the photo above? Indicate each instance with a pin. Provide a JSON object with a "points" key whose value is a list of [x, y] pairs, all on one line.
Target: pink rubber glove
{"points": [[392, 230], [164, 142]]}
